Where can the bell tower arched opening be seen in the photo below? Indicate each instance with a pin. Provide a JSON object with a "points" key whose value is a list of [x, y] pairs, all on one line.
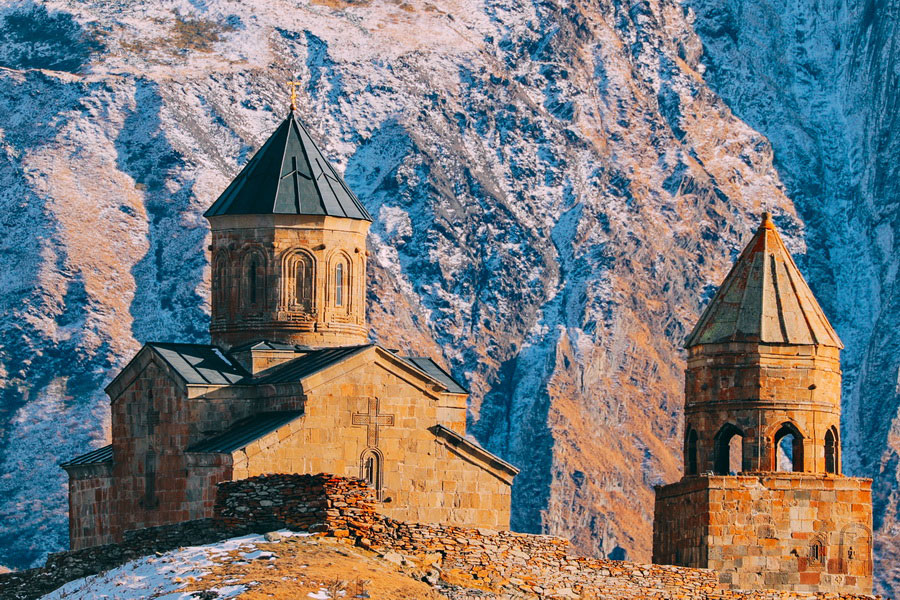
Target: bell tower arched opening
{"points": [[831, 450], [691, 466], [787, 449], [729, 450]]}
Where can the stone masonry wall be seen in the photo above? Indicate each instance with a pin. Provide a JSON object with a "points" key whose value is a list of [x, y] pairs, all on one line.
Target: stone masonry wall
{"points": [[90, 498], [423, 478], [500, 564], [758, 388], [795, 530]]}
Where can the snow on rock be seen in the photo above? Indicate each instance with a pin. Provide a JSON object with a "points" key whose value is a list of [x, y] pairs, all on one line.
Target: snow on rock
{"points": [[558, 189], [159, 576]]}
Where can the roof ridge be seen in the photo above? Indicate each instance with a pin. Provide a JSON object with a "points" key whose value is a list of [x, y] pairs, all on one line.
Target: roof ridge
{"points": [[309, 162], [281, 163]]}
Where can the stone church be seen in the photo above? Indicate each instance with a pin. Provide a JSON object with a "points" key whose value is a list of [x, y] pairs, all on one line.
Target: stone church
{"points": [[290, 382], [763, 373]]}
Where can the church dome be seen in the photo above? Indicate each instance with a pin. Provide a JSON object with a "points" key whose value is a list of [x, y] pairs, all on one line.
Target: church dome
{"points": [[289, 176]]}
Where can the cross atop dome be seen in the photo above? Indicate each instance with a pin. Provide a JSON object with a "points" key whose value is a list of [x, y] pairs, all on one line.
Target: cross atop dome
{"points": [[289, 175]]}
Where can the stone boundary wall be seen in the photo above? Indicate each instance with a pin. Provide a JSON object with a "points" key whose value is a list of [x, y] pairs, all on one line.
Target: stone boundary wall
{"points": [[256, 505], [501, 564]]}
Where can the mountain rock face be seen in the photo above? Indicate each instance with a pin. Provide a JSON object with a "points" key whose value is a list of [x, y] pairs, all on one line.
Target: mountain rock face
{"points": [[558, 187]]}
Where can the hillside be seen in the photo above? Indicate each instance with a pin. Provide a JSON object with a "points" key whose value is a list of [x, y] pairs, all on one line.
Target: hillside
{"points": [[280, 565], [558, 187]]}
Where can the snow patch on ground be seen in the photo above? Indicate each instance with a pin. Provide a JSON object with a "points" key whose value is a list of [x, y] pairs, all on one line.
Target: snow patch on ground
{"points": [[165, 576]]}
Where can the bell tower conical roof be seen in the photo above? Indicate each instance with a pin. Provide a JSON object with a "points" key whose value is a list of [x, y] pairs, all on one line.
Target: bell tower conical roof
{"points": [[764, 299], [289, 176]]}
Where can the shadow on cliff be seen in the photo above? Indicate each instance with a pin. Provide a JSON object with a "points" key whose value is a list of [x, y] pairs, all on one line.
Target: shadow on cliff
{"points": [[50, 375], [166, 305]]}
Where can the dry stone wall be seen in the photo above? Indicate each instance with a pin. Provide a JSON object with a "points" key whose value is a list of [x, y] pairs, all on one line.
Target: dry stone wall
{"points": [[463, 563]]}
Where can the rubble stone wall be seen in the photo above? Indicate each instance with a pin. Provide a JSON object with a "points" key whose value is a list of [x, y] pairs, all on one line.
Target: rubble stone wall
{"points": [[501, 564]]}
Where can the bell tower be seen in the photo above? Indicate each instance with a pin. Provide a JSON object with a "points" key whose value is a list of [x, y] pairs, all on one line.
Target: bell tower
{"points": [[763, 500], [763, 369], [288, 250]]}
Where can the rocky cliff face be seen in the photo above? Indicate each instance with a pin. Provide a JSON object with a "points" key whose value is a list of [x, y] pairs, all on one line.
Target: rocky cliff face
{"points": [[558, 187]]}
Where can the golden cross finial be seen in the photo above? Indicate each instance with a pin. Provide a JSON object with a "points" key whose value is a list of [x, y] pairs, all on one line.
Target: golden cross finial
{"points": [[293, 85]]}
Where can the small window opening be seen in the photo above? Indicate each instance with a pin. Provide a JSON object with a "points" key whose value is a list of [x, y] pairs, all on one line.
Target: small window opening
{"points": [[303, 292], [788, 449], [831, 457], [371, 470], [817, 552], [339, 285]]}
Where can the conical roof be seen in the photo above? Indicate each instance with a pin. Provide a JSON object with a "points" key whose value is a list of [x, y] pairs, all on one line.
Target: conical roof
{"points": [[764, 299], [289, 176]]}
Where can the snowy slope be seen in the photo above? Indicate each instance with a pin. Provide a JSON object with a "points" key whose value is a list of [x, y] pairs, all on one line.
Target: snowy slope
{"points": [[557, 189]]}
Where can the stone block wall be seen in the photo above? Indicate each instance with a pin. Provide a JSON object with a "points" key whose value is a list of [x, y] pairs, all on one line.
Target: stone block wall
{"points": [[422, 478], [90, 497], [775, 531], [275, 243]]}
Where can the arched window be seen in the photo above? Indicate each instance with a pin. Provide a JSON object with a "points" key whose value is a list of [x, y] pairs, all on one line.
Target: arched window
{"points": [[690, 462], [253, 283], [339, 284], [729, 450], [370, 469], [220, 285], [817, 551], [299, 280], [788, 449], [831, 450]]}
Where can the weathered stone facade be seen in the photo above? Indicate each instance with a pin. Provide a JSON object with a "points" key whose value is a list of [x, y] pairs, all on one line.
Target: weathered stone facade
{"points": [[780, 531], [90, 505], [309, 277], [764, 368], [290, 384]]}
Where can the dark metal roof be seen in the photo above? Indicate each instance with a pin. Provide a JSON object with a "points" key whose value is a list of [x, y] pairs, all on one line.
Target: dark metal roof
{"points": [[289, 176], [245, 432], [201, 363], [433, 370], [311, 362], [95, 457]]}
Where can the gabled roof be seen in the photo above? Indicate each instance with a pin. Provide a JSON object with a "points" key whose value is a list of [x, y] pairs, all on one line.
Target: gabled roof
{"points": [[764, 299], [433, 370], [308, 363], [95, 457], [472, 449], [245, 432], [289, 176], [201, 363]]}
